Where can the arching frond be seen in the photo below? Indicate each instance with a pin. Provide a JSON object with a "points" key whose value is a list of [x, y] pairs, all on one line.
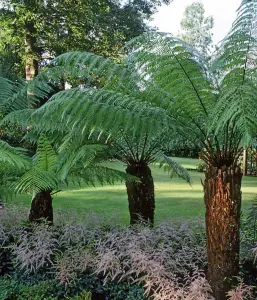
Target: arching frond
{"points": [[21, 95], [42, 175], [7, 89], [172, 167], [71, 154], [176, 75], [98, 174], [17, 157], [236, 62], [18, 117], [9, 173], [94, 70], [96, 109], [35, 181]]}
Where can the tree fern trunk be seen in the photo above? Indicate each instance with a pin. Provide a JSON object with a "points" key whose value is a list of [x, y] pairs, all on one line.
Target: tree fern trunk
{"points": [[41, 207], [140, 194], [222, 194]]}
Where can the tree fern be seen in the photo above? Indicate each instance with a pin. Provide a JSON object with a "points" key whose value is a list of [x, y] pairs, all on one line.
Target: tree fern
{"points": [[236, 63]]}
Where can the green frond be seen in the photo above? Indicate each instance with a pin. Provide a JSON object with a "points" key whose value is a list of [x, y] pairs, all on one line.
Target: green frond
{"points": [[92, 109], [8, 175], [42, 175], [21, 95], [45, 158], [238, 107], [7, 89], [236, 62], [176, 75], [18, 117], [72, 154], [35, 181], [17, 157], [94, 70], [97, 173], [173, 168]]}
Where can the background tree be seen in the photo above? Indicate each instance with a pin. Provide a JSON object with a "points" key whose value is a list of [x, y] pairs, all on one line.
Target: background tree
{"points": [[50, 28], [196, 28]]}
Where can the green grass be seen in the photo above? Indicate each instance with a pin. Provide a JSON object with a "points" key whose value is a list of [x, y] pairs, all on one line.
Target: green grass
{"points": [[174, 198]]}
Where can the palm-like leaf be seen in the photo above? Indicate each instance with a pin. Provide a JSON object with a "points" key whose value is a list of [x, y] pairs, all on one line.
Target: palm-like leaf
{"points": [[97, 173], [16, 157], [42, 175], [45, 158], [36, 180], [236, 63], [92, 109], [173, 168], [14, 162]]}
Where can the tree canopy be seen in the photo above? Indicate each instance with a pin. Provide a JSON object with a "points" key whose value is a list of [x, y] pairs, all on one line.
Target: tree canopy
{"points": [[196, 28]]}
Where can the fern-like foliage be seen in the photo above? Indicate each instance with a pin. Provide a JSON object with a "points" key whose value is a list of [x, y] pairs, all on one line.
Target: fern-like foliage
{"points": [[163, 85], [76, 164], [14, 156], [21, 95], [236, 63], [173, 168], [42, 174], [45, 157], [14, 162]]}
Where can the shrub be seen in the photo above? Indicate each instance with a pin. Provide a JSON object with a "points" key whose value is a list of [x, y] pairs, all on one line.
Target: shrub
{"points": [[92, 253]]}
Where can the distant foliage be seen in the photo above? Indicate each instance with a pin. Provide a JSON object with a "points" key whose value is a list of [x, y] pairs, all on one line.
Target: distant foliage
{"points": [[197, 28]]}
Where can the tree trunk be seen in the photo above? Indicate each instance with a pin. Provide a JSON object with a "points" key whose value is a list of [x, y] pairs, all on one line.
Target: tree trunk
{"points": [[41, 207], [140, 194], [31, 63], [222, 195]]}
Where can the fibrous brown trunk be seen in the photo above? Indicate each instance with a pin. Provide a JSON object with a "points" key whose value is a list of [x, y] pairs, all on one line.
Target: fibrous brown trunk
{"points": [[222, 195], [41, 207], [140, 194]]}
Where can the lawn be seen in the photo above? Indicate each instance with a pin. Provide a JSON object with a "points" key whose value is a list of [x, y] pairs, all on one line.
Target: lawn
{"points": [[174, 197]]}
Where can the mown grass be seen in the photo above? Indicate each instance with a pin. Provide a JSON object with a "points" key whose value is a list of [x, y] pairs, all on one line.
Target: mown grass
{"points": [[174, 198]]}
